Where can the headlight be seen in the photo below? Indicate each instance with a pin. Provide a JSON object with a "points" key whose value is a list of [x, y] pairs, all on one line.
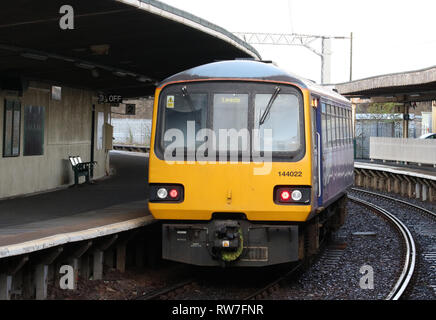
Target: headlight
{"points": [[296, 195], [162, 193]]}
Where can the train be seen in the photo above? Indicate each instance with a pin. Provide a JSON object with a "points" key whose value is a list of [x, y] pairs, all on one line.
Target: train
{"points": [[248, 164]]}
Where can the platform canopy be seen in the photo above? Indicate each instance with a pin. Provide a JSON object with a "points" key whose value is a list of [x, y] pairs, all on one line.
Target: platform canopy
{"points": [[119, 47], [412, 86]]}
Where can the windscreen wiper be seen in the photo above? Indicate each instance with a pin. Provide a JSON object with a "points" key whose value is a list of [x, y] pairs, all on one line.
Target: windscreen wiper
{"points": [[269, 105], [186, 95]]}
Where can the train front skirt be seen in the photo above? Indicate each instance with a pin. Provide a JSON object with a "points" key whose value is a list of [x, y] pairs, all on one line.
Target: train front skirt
{"points": [[230, 243]]}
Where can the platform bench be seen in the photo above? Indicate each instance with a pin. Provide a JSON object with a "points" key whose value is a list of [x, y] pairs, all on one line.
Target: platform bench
{"points": [[81, 168]]}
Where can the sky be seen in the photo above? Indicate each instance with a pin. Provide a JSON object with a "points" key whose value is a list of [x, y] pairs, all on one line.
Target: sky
{"points": [[388, 35]]}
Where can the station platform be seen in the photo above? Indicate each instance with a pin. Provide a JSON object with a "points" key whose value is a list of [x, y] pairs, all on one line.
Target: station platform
{"points": [[111, 205], [413, 170]]}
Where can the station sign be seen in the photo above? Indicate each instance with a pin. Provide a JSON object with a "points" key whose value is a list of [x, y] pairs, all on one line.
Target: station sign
{"points": [[130, 109], [110, 98]]}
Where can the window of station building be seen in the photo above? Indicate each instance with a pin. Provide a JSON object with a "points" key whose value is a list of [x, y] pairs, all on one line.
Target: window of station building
{"points": [[11, 128], [33, 131]]}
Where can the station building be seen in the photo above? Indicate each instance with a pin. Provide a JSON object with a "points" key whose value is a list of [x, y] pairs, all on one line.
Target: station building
{"points": [[42, 126], [53, 78]]}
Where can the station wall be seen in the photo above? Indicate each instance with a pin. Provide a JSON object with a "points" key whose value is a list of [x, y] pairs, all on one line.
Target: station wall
{"points": [[66, 131]]}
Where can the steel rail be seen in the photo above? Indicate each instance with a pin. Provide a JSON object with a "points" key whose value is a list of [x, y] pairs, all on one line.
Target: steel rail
{"points": [[162, 293], [410, 254], [431, 213], [258, 293]]}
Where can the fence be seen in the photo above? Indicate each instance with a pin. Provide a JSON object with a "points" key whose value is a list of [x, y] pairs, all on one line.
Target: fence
{"points": [[421, 151], [389, 126], [135, 132]]}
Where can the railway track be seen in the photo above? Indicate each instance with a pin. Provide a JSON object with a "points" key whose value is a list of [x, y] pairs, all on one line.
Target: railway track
{"points": [[409, 243], [419, 208], [272, 286], [169, 292], [402, 282], [172, 291]]}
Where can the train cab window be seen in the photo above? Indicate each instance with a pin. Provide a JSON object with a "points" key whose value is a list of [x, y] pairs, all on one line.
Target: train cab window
{"points": [[180, 112], [230, 111], [283, 119]]}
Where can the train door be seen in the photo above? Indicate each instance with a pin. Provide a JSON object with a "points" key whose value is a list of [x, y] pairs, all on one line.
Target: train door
{"points": [[317, 152]]}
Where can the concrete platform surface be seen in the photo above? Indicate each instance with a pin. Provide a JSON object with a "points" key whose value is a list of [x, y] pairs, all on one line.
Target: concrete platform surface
{"points": [[111, 205], [409, 170]]}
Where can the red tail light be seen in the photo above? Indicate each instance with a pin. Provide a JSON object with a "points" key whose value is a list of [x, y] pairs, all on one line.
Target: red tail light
{"points": [[285, 195], [173, 193]]}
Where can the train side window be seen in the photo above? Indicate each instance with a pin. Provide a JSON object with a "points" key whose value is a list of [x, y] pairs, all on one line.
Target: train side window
{"points": [[343, 132], [347, 132], [348, 127], [336, 126], [350, 123], [344, 127], [339, 117], [324, 125], [331, 126]]}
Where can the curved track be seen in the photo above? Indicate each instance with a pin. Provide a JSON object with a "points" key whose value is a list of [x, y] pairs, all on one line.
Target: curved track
{"points": [[409, 244]]}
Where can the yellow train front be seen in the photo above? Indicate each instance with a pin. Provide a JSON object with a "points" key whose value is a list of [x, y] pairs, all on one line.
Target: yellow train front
{"points": [[248, 165]]}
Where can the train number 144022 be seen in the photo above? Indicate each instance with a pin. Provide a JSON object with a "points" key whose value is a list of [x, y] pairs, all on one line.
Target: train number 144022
{"points": [[290, 173]]}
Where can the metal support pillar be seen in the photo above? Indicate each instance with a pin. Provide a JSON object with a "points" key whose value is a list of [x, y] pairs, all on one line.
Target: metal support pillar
{"points": [[98, 265], [406, 121], [5, 286]]}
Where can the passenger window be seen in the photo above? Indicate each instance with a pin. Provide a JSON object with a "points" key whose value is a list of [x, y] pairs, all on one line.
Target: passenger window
{"points": [[324, 125], [329, 126], [336, 126], [343, 132], [338, 114]]}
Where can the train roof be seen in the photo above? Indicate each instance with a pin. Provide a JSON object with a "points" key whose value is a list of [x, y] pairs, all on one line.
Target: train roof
{"points": [[249, 69]]}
